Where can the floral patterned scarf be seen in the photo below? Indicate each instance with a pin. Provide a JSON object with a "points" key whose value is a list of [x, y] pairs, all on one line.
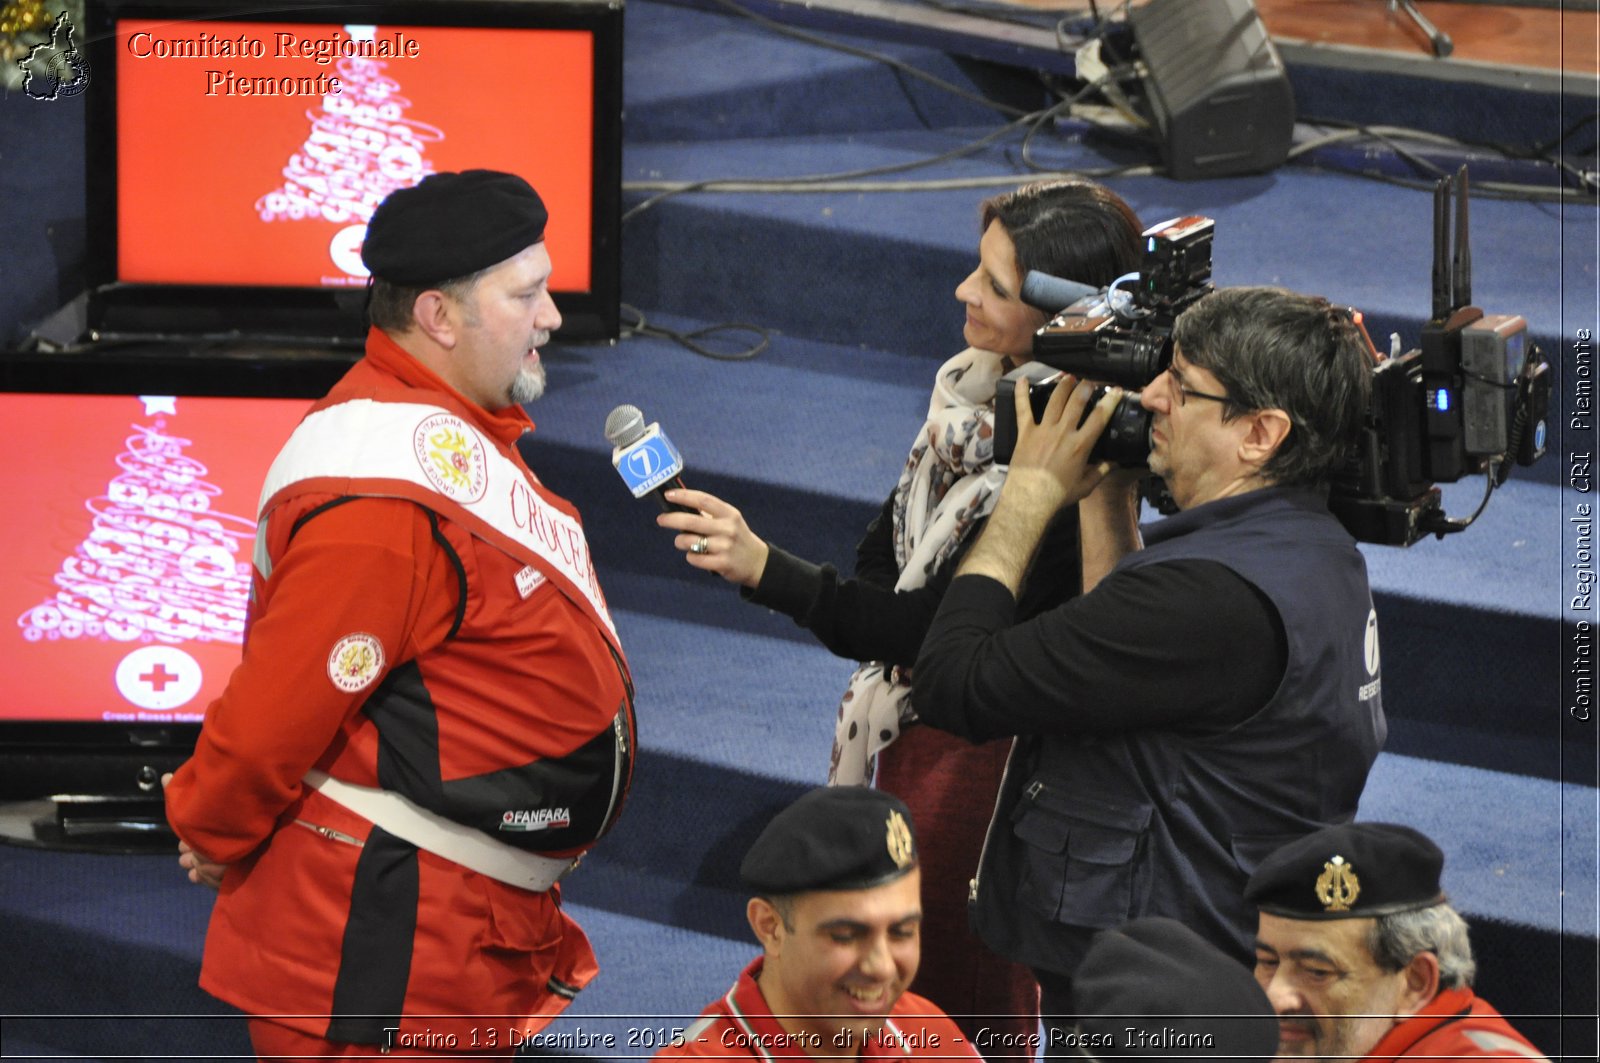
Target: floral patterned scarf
{"points": [[950, 482]]}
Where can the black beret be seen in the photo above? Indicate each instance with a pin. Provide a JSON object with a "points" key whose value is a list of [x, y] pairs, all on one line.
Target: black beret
{"points": [[450, 225], [833, 838], [1153, 987], [1353, 871]]}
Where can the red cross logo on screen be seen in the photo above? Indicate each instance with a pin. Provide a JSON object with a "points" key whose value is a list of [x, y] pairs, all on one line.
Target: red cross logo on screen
{"points": [[159, 678]]}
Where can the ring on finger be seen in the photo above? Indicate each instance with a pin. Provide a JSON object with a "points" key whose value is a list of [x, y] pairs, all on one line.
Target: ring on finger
{"points": [[701, 547]]}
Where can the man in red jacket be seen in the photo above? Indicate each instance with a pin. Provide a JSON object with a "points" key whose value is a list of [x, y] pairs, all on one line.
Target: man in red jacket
{"points": [[838, 912], [433, 717], [1362, 957]]}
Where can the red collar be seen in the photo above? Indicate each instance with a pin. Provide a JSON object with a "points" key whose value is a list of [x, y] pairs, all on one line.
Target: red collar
{"points": [[1448, 1006], [745, 1006], [506, 424]]}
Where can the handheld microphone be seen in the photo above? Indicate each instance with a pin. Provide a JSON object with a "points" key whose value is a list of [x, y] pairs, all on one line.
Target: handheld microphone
{"points": [[644, 457]]}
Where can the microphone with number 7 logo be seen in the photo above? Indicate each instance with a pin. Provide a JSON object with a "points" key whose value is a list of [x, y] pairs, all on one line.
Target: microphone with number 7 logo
{"points": [[644, 457]]}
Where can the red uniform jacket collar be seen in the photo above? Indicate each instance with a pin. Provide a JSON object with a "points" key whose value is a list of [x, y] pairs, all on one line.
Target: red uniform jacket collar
{"points": [[1449, 1006], [506, 425], [745, 1006]]}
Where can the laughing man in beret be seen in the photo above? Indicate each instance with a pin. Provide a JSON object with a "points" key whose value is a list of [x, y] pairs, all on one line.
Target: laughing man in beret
{"points": [[837, 907], [1362, 956], [433, 717]]}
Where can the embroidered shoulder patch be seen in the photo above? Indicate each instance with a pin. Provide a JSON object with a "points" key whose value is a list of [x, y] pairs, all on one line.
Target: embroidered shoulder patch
{"points": [[355, 662], [452, 457]]}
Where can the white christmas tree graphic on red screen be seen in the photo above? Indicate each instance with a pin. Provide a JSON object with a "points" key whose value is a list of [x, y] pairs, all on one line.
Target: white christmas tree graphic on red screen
{"points": [[361, 147], [160, 567]]}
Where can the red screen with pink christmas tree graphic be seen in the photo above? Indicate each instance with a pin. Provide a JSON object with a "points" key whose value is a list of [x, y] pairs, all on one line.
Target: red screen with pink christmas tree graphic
{"points": [[129, 549], [253, 153]]}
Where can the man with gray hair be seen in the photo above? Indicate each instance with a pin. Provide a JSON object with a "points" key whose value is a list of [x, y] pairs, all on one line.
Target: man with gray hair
{"points": [[1361, 955], [1215, 691]]}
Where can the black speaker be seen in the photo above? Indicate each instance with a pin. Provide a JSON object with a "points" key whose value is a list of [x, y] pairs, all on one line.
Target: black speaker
{"points": [[1215, 87]]}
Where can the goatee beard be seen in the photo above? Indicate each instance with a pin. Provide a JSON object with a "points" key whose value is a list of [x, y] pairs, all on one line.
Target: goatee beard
{"points": [[528, 386]]}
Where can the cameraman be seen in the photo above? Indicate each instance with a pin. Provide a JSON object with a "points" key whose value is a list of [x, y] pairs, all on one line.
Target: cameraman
{"points": [[1214, 693]]}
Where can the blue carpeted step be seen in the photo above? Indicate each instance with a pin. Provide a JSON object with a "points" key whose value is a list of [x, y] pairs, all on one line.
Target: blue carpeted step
{"points": [[102, 956], [699, 75], [738, 741], [765, 707], [1461, 683]]}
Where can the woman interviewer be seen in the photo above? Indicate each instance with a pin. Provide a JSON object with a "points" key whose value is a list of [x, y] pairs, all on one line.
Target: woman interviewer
{"points": [[1076, 230]]}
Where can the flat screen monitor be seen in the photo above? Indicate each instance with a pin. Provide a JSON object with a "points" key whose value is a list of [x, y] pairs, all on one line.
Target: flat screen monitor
{"points": [[128, 557], [235, 153]]}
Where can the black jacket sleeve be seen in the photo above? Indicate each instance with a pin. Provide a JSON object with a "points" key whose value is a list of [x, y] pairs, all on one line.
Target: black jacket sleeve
{"points": [[1187, 644], [865, 619], [875, 561]]}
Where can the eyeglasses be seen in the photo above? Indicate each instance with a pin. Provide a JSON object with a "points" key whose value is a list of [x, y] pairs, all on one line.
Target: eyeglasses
{"points": [[1185, 393]]}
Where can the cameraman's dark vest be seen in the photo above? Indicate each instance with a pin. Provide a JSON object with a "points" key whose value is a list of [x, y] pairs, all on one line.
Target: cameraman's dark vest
{"points": [[1091, 831]]}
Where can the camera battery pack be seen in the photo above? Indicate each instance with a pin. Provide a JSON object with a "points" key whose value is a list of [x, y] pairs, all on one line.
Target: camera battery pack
{"points": [[1493, 349]]}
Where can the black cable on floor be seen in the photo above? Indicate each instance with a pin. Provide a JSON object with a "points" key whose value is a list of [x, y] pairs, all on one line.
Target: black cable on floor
{"points": [[690, 340]]}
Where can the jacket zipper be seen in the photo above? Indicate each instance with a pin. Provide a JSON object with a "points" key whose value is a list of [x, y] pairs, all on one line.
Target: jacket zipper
{"points": [[994, 816], [619, 727], [331, 834]]}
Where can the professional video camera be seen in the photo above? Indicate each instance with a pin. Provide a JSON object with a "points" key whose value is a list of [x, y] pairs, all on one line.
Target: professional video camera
{"points": [[1473, 398], [1114, 336]]}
